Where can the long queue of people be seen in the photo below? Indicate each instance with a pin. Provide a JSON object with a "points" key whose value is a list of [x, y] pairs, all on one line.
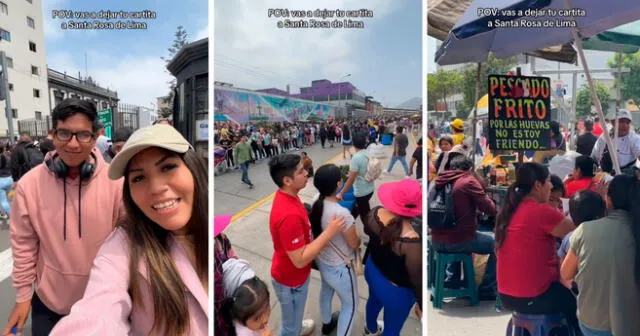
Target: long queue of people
{"points": [[323, 236], [543, 258]]}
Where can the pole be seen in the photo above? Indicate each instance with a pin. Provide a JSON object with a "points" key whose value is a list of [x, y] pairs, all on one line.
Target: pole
{"points": [[594, 96], [5, 82], [475, 112], [574, 90], [521, 153], [618, 99]]}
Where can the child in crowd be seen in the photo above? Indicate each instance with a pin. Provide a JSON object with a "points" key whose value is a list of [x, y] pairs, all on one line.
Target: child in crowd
{"points": [[584, 206], [247, 305], [307, 164]]}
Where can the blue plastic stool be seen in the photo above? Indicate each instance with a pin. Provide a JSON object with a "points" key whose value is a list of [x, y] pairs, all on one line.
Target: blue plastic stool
{"points": [[440, 292], [536, 325]]}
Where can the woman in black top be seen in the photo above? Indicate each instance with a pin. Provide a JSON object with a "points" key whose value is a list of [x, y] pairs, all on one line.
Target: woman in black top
{"points": [[394, 263]]}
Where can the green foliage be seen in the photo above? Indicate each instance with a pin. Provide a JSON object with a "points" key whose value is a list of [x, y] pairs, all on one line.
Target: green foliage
{"points": [[630, 82], [584, 101], [179, 40], [442, 84], [344, 172], [493, 66]]}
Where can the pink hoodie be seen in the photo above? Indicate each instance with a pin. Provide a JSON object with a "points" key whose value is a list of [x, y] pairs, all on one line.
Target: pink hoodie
{"points": [[106, 307], [52, 245]]}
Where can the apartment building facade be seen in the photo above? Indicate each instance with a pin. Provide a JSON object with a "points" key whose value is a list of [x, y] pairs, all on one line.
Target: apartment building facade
{"points": [[22, 40]]}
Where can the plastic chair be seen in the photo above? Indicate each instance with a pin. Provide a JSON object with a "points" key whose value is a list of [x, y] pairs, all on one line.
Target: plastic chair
{"points": [[440, 292], [537, 325]]}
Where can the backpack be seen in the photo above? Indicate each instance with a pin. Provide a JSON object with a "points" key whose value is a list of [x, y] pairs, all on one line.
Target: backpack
{"points": [[440, 213], [374, 169], [33, 157]]}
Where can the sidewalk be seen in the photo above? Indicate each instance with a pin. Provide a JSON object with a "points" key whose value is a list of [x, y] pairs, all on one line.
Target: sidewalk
{"points": [[251, 239]]}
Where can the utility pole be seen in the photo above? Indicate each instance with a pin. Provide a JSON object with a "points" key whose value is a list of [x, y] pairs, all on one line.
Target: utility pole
{"points": [[4, 82]]}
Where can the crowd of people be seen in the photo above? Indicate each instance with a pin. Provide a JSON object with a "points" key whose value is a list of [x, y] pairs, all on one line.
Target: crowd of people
{"points": [[567, 243], [324, 236]]}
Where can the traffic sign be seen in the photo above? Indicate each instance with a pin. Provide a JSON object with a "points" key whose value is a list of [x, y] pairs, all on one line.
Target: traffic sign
{"points": [[106, 118]]}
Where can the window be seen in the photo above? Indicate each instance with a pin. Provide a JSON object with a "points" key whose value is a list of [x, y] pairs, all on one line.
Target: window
{"points": [[104, 105], [38, 115], [32, 46], [5, 35], [34, 70], [14, 113], [10, 87], [31, 23], [10, 62], [36, 93], [4, 9]]}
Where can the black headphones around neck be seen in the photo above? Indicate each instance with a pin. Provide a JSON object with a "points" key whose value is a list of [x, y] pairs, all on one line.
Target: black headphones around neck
{"points": [[58, 167]]}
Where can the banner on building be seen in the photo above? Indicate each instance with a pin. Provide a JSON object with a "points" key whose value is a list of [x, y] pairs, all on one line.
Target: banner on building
{"points": [[242, 106], [519, 112]]}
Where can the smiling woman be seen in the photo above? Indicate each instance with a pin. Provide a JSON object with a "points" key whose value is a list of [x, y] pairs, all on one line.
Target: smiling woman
{"points": [[151, 274]]}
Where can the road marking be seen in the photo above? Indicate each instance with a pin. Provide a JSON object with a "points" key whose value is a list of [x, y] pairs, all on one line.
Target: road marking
{"points": [[6, 264], [266, 199]]}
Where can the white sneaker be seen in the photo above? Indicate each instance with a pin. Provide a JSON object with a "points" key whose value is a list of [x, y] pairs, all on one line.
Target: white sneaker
{"points": [[377, 333], [307, 327]]}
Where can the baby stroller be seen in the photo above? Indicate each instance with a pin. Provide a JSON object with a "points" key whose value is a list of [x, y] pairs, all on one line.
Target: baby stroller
{"points": [[219, 161]]}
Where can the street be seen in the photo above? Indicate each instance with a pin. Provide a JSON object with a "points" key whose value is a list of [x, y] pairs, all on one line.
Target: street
{"points": [[7, 293], [249, 232], [458, 318]]}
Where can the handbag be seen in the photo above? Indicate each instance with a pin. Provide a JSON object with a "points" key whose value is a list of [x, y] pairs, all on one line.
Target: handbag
{"points": [[355, 263]]}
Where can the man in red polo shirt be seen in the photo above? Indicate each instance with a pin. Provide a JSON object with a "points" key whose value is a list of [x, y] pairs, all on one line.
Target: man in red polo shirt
{"points": [[293, 245]]}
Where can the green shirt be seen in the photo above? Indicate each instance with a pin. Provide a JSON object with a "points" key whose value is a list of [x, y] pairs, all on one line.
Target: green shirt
{"points": [[608, 299], [359, 163], [243, 153]]}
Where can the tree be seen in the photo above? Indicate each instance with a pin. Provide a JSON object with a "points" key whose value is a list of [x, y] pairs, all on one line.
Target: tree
{"points": [[432, 98], [630, 82], [584, 101], [493, 66], [179, 40], [443, 84]]}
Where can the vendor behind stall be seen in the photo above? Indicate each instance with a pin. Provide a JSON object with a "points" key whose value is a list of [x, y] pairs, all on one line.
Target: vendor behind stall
{"points": [[627, 145]]}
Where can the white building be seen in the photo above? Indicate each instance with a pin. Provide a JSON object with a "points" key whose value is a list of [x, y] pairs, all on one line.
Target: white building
{"points": [[22, 39]]}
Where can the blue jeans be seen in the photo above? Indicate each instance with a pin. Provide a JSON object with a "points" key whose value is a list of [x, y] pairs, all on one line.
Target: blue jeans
{"points": [[483, 243], [586, 331], [343, 281], [402, 160], [292, 301], [5, 187], [244, 167], [396, 301]]}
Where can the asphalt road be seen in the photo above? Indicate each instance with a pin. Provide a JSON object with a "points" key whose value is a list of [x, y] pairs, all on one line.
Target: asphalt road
{"points": [[231, 196]]}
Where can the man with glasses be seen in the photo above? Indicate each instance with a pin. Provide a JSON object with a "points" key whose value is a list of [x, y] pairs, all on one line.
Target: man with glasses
{"points": [[62, 211]]}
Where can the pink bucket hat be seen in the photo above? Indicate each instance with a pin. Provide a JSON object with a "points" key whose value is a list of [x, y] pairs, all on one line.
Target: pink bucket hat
{"points": [[220, 223], [403, 198]]}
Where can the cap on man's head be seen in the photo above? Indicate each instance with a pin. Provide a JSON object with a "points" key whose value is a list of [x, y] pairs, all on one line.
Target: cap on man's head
{"points": [[162, 136], [623, 114]]}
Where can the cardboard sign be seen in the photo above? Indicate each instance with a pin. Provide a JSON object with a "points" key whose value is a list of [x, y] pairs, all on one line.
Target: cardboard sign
{"points": [[519, 112]]}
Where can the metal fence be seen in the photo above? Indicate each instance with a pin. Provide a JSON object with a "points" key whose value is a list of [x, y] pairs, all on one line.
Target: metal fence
{"points": [[35, 127], [125, 116]]}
